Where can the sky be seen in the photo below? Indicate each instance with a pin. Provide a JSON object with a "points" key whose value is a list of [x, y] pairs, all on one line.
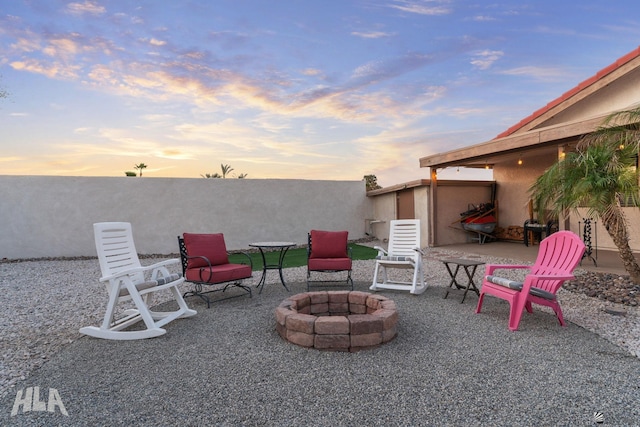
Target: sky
{"points": [[327, 89]]}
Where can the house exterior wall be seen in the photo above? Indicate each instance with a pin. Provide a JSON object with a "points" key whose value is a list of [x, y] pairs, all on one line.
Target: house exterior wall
{"points": [[453, 198], [384, 209], [421, 198], [621, 95], [45, 216], [514, 182], [600, 237]]}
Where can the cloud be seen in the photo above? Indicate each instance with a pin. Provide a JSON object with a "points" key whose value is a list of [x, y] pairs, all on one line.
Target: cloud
{"points": [[158, 117], [125, 143], [537, 73], [629, 29], [422, 7], [54, 70], [209, 84], [156, 42], [88, 7], [383, 70], [371, 34], [311, 72], [11, 159], [25, 44], [61, 48], [484, 18], [485, 59], [556, 31], [227, 131]]}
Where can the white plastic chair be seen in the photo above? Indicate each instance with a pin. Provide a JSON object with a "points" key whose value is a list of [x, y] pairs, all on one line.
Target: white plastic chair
{"points": [[403, 253], [125, 280]]}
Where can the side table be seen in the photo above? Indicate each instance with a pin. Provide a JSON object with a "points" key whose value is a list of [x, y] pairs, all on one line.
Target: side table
{"points": [[283, 247], [469, 267]]}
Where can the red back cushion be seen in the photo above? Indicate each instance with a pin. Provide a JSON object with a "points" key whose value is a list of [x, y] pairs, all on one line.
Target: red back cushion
{"points": [[211, 246], [329, 244]]}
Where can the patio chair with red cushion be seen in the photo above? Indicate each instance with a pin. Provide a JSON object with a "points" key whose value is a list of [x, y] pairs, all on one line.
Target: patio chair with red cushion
{"points": [[205, 262], [328, 252], [558, 256]]}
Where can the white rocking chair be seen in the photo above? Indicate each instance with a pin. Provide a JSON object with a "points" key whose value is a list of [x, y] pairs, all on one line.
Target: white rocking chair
{"points": [[403, 253], [125, 280]]}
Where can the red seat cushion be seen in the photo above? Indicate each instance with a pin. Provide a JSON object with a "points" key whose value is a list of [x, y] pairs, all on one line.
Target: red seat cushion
{"points": [[211, 246], [218, 273], [319, 264], [329, 244]]}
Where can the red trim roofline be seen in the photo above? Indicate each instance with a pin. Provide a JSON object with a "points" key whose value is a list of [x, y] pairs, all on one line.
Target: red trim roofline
{"points": [[588, 82]]}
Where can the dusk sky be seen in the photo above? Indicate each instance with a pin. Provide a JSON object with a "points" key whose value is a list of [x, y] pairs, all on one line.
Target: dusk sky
{"points": [[331, 89]]}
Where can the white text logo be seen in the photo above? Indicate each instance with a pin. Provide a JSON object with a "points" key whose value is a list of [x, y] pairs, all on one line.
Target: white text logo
{"points": [[29, 399]]}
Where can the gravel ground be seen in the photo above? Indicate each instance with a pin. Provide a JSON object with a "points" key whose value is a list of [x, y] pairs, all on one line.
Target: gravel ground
{"points": [[227, 365]]}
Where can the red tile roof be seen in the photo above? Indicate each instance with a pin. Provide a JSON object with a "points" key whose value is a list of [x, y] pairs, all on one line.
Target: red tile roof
{"points": [[588, 82]]}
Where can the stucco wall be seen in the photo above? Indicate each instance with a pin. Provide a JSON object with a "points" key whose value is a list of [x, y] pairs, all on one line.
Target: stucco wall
{"points": [[514, 182], [44, 216], [421, 207], [384, 209], [453, 198], [623, 94], [600, 237]]}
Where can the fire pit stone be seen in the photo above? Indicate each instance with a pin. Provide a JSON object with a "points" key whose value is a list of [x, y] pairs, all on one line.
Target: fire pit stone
{"points": [[337, 320]]}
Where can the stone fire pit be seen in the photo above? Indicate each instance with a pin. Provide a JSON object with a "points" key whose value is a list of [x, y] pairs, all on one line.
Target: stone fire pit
{"points": [[337, 320]]}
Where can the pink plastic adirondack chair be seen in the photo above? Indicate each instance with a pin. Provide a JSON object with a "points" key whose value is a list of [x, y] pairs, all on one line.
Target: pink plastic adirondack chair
{"points": [[558, 256]]}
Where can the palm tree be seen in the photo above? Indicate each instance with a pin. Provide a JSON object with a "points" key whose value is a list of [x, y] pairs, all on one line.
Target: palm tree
{"points": [[211, 175], [225, 169], [600, 175], [140, 167]]}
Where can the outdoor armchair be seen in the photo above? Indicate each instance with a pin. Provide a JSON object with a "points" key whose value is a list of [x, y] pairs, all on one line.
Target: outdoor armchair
{"points": [[558, 256], [328, 252], [205, 262]]}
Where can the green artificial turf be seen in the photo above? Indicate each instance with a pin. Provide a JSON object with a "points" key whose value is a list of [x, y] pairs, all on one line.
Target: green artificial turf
{"points": [[297, 257]]}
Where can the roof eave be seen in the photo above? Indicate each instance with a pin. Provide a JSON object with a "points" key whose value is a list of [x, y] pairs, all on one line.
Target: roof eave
{"points": [[513, 143]]}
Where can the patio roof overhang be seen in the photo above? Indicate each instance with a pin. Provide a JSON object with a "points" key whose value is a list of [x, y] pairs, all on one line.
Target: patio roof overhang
{"points": [[532, 134], [544, 140]]}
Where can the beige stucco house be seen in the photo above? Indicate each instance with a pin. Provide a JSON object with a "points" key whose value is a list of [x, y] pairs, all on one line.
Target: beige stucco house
{"points": [[518, 156]]}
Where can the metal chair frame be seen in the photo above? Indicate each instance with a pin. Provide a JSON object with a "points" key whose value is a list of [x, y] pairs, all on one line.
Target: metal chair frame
{"points": [[220, 286], [315, 283]]}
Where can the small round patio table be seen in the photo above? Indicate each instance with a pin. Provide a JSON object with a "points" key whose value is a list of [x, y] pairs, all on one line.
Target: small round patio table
{"points": [[283, 247]]}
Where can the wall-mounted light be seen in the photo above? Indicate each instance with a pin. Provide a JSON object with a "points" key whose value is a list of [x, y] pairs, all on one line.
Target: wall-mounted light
{"points": [[520, 162], [486, 166]]}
